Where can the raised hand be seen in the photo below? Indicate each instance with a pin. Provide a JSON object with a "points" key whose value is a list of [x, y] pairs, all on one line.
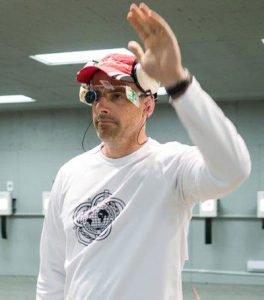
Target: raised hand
{"points": [[161, 58]]}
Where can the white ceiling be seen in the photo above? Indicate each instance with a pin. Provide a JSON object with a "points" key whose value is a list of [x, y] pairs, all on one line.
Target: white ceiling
{"points": [[220, 42]]}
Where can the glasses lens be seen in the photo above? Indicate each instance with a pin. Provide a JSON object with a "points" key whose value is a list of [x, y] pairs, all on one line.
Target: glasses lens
{"points": [[113, 93], [90, 97]]}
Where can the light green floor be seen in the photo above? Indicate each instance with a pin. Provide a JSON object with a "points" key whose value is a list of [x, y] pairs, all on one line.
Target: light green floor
{"points": [[23, 288], [222, 292]]}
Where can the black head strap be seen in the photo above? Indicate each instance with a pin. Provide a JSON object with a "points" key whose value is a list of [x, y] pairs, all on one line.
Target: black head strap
{"points": [[134, 76]]}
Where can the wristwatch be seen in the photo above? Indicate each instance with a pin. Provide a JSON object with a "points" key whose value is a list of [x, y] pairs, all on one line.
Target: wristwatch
{"points": [[180, 87]]}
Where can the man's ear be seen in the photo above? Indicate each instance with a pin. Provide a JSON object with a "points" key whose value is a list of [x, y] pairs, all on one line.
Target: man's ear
{"points": [[149, 106]]}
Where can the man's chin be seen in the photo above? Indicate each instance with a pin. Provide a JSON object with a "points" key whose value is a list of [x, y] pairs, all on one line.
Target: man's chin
{"points": [[106, 134]]}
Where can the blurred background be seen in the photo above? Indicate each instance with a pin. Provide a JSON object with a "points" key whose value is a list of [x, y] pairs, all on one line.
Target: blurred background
{"points": [[222, 45]]}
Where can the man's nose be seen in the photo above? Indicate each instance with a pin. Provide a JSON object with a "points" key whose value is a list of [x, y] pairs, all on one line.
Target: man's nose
{"points": [[102, 104]]}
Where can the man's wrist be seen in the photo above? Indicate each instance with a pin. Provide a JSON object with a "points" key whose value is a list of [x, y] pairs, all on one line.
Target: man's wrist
{"points": [[179, 87]]}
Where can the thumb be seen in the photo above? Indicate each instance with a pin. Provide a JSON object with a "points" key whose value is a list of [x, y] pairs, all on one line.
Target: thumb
{"points": [[136, 49]]}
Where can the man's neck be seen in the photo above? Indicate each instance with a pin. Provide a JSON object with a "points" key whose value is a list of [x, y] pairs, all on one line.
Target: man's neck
{"points": [[118, 149]]}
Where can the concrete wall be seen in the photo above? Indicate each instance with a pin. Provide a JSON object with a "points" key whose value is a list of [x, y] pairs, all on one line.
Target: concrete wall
{"points": [[34, 144]]}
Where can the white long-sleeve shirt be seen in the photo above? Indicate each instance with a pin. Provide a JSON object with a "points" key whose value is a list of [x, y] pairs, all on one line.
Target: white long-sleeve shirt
{"points": [[116, 229]]}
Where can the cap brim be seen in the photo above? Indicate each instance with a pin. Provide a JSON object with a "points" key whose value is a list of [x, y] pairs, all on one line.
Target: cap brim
{"points": [[85, 75]]}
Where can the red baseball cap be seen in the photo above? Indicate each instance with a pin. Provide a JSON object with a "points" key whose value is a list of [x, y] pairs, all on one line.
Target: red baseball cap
{"points": [[121, 67], [118, 66]]}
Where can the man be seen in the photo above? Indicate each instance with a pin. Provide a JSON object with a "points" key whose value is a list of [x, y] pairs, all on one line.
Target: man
{"points": [[117, 223]]}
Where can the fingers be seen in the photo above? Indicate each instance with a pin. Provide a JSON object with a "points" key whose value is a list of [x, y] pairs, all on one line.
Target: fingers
{"points": [[136, 49], [153, 16], [137, 18], [144, 8], [146, 22], [155, 22]]}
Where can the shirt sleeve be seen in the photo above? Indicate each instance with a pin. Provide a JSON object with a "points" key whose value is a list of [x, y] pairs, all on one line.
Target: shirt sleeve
{"points": [[220, 160], [51, 278]]}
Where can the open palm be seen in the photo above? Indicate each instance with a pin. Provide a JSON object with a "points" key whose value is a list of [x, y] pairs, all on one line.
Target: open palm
{"points": [[161, 58]]}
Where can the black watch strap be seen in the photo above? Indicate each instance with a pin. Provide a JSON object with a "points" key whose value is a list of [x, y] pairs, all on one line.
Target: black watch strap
{"points": [[180, 87]]}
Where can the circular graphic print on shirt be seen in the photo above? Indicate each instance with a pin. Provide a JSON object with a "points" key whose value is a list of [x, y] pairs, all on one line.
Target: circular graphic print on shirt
{"points": [[93, 219]]}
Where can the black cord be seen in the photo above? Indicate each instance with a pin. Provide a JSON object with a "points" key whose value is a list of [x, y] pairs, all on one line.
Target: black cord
{"points": [[84, 150], [139, 132], [86, 130]]}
